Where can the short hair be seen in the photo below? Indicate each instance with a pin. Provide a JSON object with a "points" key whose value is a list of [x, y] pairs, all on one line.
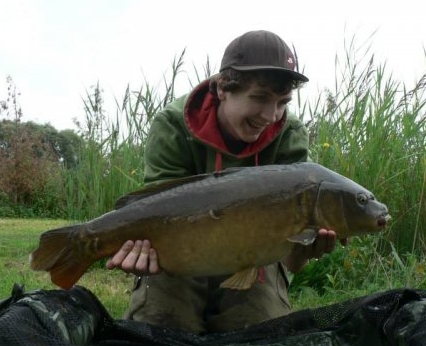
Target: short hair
{"points": [[233, 80]]}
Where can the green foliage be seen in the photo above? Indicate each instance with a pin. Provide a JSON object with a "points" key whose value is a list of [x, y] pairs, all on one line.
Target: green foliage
{"points": [[371, 129], [78, 175], [355, 270], [29, 169], [111, 159], [32, 158]]}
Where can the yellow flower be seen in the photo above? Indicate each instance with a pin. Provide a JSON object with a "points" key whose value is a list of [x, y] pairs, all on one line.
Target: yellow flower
{"points": [[347, 264], [419, 269], [326, 145]]}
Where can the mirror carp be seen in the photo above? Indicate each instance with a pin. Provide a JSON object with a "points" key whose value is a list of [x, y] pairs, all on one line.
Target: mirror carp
{"points": [[228, 222]]}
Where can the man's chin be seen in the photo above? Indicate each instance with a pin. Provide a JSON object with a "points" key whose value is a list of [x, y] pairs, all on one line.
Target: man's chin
{"points": [[251, 138]]}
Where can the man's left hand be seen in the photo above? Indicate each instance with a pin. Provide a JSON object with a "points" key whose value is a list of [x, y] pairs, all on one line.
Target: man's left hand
{"points": [[301, 254]]}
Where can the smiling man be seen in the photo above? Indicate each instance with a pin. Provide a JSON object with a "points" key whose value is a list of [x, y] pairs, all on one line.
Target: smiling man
{"points": [[238, 117]]}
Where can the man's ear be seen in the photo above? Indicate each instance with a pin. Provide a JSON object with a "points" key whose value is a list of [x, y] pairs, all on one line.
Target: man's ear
{"points": [[220, 93]]}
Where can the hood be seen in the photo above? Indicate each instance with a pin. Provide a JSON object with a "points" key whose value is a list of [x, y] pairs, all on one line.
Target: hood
{"points": [[201, 119]]}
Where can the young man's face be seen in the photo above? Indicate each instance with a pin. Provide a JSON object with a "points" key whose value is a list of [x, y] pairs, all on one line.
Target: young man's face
{"points": [[244, 115]]}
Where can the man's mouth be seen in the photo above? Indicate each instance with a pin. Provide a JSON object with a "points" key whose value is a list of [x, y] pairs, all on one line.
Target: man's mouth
{"points": [[257, 125]]}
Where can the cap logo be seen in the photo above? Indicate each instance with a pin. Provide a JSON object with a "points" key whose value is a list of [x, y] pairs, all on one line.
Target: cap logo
{"points": [[290, 60]]}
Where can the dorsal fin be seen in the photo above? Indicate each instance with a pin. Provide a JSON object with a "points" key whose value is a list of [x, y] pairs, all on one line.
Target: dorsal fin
{"points": [[168, 184], [156, 188]]}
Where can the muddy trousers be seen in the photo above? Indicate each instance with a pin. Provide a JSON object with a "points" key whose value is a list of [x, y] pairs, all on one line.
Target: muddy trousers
{"points": [[200, 305]]}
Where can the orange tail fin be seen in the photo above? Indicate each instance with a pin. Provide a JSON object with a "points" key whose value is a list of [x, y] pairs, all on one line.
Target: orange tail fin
{"points": [[58, 255]]}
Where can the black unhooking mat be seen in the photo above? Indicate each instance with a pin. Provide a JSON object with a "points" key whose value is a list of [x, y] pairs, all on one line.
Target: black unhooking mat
{"points": [[76, 317]]}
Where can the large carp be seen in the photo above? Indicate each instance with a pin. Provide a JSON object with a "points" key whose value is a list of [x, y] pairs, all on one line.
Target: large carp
{"points": [[232, 221]]}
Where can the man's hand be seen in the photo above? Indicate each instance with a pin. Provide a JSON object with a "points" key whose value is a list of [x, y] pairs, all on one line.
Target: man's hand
{"points": [[300, 255], [136, 257]]}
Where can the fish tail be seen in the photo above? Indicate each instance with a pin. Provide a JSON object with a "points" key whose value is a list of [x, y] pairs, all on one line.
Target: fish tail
{"points": [[58, 255]]}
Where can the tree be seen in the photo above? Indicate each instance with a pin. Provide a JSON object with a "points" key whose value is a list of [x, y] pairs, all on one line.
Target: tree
{"points": [[32, 157]]}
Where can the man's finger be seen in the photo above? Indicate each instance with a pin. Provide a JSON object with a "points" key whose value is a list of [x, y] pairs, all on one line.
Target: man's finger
{"points": [[129, 262], [118, 258], [153, 262], [331, 242], [141, 264]]}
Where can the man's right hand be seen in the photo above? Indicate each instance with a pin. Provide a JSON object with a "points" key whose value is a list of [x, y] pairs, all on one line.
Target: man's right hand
{"points": [[136, 257]]}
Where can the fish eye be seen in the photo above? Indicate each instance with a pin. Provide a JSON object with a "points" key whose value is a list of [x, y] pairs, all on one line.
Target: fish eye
{"points": [[362, 198]]}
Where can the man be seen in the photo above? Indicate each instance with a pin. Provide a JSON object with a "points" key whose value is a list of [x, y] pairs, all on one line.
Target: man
{"points": [[238, 117]]}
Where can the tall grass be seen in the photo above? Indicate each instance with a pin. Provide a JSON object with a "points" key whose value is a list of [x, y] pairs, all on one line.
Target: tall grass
{"points": [[367, 126], [111, 162], [372, 129]]}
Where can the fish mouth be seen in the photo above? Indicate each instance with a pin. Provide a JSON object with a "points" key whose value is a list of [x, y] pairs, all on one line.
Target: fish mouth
{"points": [[383, 220]]}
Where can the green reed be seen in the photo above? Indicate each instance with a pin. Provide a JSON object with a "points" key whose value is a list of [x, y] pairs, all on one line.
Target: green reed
{"points": [[367, 126], [111, 159], [371, 129]]}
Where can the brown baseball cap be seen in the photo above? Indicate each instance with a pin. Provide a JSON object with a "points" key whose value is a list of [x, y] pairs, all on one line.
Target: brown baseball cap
{"points": [[260, 50]]}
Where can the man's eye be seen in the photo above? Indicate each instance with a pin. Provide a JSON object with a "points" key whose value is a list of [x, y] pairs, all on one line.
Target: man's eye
{"points": [[284, 102], [259, 98]]}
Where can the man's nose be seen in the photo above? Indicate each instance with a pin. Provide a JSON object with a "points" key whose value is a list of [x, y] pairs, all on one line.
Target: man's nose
{"points": [[271, 113]]}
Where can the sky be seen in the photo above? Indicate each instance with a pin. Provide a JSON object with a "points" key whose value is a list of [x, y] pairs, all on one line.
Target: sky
{"points": [[56, 50]]}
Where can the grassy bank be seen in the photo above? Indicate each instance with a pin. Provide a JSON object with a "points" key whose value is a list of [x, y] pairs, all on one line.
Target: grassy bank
{"points": [[19, 237]]}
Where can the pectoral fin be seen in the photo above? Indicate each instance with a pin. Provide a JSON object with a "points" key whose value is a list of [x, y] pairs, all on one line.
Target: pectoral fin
{"points": [[242, 280], [306, 237]]}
